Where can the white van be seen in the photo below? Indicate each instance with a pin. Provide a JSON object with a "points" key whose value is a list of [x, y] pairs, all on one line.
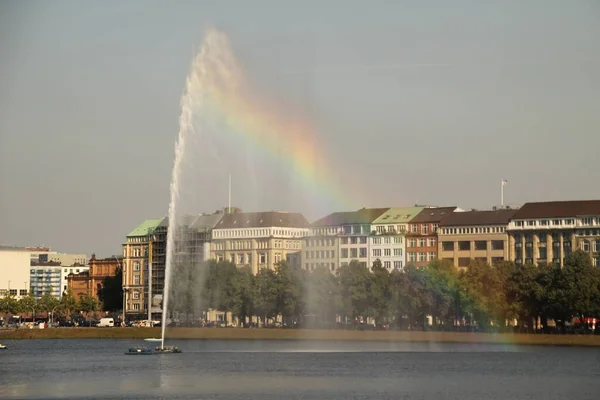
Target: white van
{"points": [[106, 322]]}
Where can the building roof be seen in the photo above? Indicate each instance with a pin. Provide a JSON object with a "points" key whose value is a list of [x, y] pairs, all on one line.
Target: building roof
{"points": [[473, 218], [362, 216], [436, 214], [558, 209], [398, 215], [262, 219], [146, 227]]}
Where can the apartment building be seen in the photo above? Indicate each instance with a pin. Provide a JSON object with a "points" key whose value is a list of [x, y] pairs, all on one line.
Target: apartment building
{"points": [[321, 248], [547, 232], [355, 232], [387, 243], [258, 239], [421, 237], [144, 258], [479, 235]]}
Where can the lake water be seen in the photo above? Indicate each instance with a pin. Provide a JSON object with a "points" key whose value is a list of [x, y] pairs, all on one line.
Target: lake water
{"points": [[97, 368]]}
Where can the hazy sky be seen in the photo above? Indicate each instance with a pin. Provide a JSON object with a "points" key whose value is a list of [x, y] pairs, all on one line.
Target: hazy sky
{"points": [[429, 101]]}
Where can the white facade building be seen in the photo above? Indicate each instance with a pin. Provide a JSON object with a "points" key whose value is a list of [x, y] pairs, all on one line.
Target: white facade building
{"points": [[14, 272], [51, 278]]}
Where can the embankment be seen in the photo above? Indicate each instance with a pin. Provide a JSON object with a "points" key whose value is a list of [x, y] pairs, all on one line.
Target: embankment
{"points": [[299, 334]]}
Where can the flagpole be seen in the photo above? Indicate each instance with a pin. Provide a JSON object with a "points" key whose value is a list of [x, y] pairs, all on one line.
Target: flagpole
{"points": [[502, 194]]}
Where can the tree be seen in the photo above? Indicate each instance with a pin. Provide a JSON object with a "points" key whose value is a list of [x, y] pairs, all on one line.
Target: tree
{"points": [[245, 294], [48, 303], [380, 292], [9, 305], [111, 291], [322, 297], [289, 284], [356, 284], [88, 303], [68, 303], [29, 304], [266, 294], [581, 282]]}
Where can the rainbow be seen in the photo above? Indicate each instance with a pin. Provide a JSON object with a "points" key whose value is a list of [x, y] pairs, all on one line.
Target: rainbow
{"points": [[287, 142]]}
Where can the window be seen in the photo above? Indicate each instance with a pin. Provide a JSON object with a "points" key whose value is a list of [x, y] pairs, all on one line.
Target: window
{"points": [[448, 246], [421, 256], [344, 253], [398, 239], [424, 229], [354, 253], [597, 246], [387, 252], [530, 223], [556, 222], [497, 245], [249, 258], [363, 252], [344, 240], [430, 256], [414, 228], [397, 252], [136, 280], [431, 242], [240, 259], [412, 257], [353, 240], [387, 264], [387, 240], [377, 240], [463, 261], [464, 245], [262, 258], [136, 295], [585, 246], [376, 252], [397, 264], [23, 292], [136, 306], [422, 242], [136, 266], [586, 221], [412, 243], [480, 245], [13, 292], [363, 240]]}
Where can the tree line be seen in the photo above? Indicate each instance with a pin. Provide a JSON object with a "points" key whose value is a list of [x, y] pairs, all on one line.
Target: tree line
{"points": [[480, 297]]}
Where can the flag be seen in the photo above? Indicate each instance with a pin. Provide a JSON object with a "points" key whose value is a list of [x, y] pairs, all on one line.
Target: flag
{"points": [[504, 182]]}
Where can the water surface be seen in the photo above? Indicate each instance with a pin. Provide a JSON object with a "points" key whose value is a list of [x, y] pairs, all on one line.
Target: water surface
{"points": [[215, 369]]}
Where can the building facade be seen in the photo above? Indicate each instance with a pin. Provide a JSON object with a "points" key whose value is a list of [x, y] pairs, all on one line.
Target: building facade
{"points": [[478, 235], [321, 248], [145, 253], [258, 239], [90, 282], [422, 235], [14, 272], [51, 277], [356, 231], [387, 242], [547, 232]]}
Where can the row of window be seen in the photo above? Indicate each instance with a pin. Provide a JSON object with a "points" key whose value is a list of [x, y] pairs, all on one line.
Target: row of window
{"points": [[354, 253], [473, 230], [429, 242], [585, 246], [387, 252], [479, 245], [246, 258], [227, 233], [387, 240], [12, 292], [260, 244], [319, 254], [546, 222], [420, 256]]}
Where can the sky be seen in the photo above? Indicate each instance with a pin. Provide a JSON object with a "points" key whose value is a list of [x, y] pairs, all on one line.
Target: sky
{"points": [[408, 101]]}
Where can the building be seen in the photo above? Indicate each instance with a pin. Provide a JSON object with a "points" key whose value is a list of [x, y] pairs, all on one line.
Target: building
{"points": [[51, 277], [547, 232], [258, 239], [387, 243], [90, 282], [63, 258], [144, 258], [354, 236], [321, 248], [479, 235], [421, 238], [14, 272]]}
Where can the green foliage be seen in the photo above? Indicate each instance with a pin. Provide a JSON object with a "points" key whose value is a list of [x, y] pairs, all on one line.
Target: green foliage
{"points": [[88, 303], [483, 296], [111, 292]]}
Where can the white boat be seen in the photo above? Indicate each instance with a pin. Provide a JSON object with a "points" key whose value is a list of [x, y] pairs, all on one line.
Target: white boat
{"points": [[152, 340], [2, 347]]}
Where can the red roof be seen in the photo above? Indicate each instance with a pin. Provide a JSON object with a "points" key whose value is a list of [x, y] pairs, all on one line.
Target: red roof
{"points": [[558, 209]]}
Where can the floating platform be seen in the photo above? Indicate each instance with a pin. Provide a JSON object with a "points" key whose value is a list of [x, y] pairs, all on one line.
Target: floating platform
{"points": [[153, 339], [144, 351]]}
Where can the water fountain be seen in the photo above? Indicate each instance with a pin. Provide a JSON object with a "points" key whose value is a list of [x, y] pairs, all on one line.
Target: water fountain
{"points": [[213, 73]]}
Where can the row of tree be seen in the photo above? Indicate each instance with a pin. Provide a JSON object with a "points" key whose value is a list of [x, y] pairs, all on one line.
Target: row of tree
{"points": [[482, 296], [48, 304]]}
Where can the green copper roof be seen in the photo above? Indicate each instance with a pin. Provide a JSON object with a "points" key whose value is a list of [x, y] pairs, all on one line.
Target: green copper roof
{"points": [[146, 227], [398, 215]]}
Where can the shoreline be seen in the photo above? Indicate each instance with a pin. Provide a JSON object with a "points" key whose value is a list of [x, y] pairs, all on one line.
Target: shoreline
{"points": [[302, 334]]}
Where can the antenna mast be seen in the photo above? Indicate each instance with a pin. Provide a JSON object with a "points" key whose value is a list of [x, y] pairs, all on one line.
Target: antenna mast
{"points": [[229, 198]]}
